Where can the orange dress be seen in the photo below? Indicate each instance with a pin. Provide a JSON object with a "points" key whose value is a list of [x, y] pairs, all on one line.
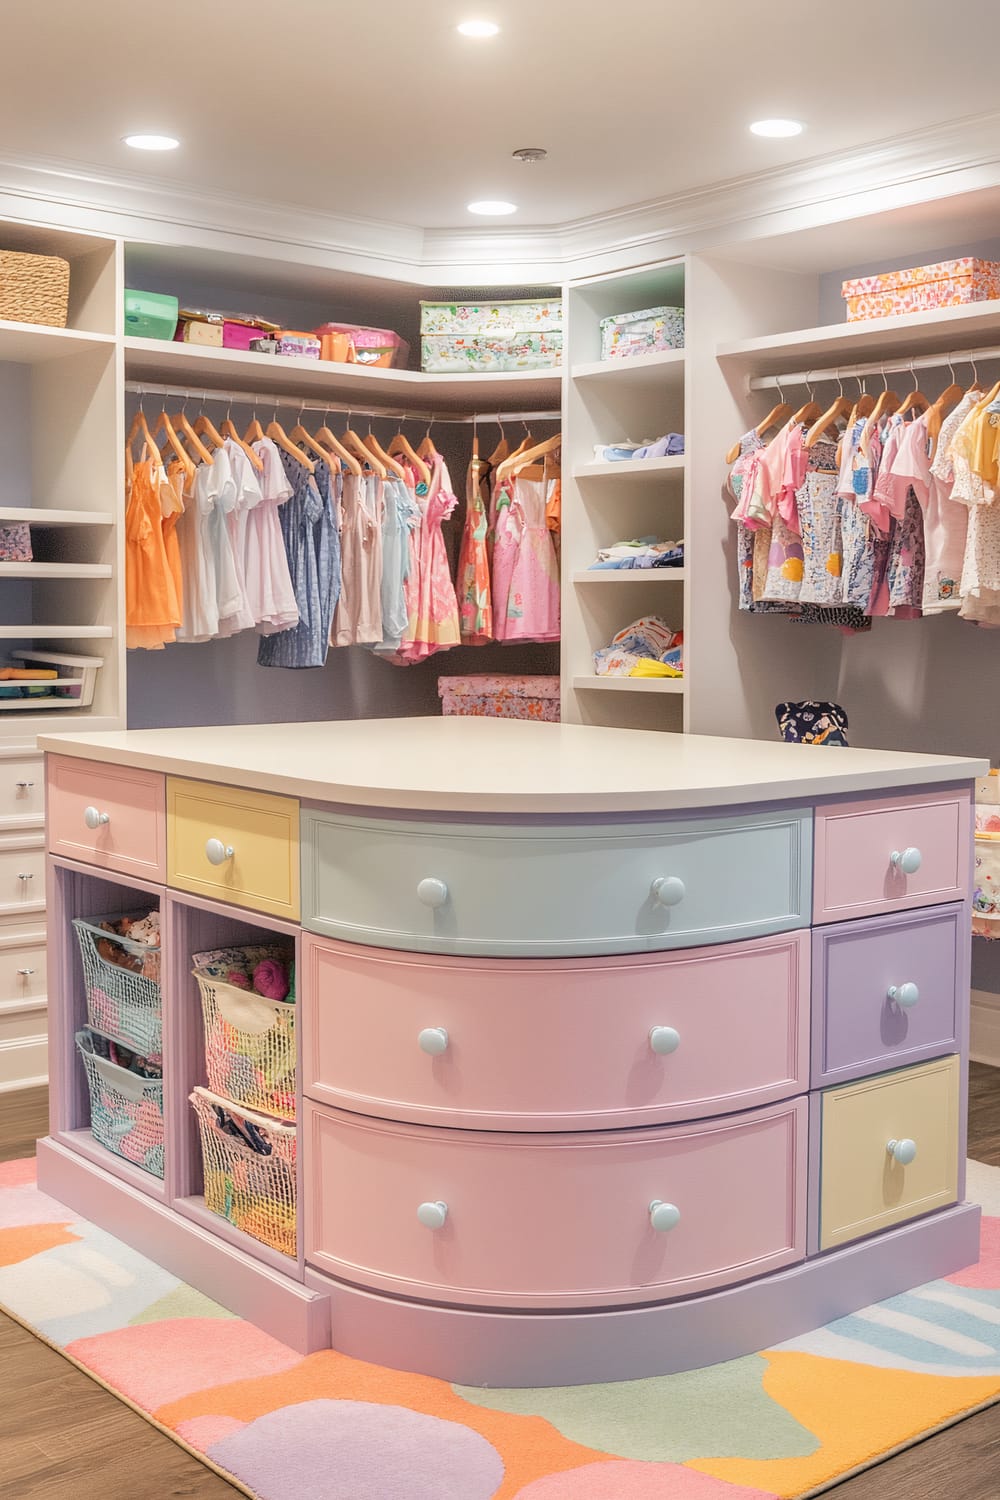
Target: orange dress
{"points": [[475, 602], [152, 606]]}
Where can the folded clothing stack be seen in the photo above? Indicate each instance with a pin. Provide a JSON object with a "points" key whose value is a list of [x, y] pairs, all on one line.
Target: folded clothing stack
{"points": [[671, 445], [646, 648], [641, 552]]}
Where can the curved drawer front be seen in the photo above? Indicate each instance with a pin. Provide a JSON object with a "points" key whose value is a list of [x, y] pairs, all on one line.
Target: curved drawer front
{"points": [[891, 855], [885, 991], [510, 891], [866, 1186], [110, 816], [234, 845], [558, 1220], [556, 1044]]}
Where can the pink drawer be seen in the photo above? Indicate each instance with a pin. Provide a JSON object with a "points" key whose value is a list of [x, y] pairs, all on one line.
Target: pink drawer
{"points": [[556, 1044], [504, 1220], [111, 816], [886, 991], [872, 857]]}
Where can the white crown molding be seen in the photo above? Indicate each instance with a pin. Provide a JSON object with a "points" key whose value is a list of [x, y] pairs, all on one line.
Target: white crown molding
{"points": [[938, 162]]}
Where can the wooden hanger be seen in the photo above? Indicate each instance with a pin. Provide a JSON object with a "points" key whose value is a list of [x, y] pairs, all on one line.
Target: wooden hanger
{"points": [[278, 435], [187, 433], [352, 441], [311, 445], [887, 403], [255, 432], [776, 417], [427, 449], [520, 460], [825, 423], [334, 446], [401, 445], [140, 425], [228, 429], [164, 422], [914, 400], [385, 459], [502, 448], [204, 427], [807, 413]]}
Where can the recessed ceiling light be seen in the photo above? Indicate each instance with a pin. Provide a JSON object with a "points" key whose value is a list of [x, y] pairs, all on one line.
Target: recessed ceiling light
{"points": [[777, 128], [494, 206], [479, 28], [152, 142]]}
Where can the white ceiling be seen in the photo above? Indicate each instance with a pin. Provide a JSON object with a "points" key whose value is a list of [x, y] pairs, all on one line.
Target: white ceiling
{"points": [[380, 110]]}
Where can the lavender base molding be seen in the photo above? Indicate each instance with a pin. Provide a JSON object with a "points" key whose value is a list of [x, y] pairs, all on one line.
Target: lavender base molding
{"points": [[276, 1302], [473, 1347]]}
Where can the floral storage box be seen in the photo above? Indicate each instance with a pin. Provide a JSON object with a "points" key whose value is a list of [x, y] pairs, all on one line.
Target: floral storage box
{"points": [[647, 332], [501, 697], [945, 283], [468, 337]]}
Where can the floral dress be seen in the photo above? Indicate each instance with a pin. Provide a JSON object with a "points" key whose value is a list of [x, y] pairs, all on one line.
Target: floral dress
{"points": [[525, 569], [432, 608], [475, 598]]}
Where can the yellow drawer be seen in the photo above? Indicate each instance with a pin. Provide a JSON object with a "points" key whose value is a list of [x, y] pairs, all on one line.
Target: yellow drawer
{"points": [[233, 845], [889, 1150]]}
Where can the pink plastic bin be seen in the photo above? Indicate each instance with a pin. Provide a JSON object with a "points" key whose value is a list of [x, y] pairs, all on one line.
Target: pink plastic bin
{"points": [[374, 346], [238, 335]]}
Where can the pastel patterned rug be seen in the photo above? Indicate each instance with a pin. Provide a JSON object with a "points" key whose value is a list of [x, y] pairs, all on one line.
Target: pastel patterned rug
{"points": [[787, 1422]]}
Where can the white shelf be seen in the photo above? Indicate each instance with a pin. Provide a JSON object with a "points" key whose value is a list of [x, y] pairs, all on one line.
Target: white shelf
{"points": [[55, 632], [663, 366], [630, 575], [942, 329], [167, 362], [33, 344], [54, 570], [636, 470], [631, 684], [35, 515]]}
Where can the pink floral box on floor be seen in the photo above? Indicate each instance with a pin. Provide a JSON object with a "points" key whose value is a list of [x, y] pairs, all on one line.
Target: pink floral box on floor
{"points": [[501, 697], [945, 283]]}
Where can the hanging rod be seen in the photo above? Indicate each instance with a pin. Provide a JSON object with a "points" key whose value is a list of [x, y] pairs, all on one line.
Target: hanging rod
{"points": [[261, 399], [876, 367]]}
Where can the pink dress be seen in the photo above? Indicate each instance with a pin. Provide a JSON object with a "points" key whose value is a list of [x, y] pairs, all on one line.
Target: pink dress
{"points": [[358, 617], [525, 568], [432, 608]]}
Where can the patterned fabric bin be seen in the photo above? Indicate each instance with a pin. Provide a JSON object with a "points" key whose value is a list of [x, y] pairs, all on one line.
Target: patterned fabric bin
{"points": [[945, 283], [126, 1111], [255, 1191], [120, 1003], [249, 1040], [501, 697], [650, 331], [15, 543], [469, 337], [473, 319]]}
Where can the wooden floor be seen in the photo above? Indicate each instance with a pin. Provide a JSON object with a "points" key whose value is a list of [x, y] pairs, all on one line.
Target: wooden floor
{"points": [[63, 1437]]}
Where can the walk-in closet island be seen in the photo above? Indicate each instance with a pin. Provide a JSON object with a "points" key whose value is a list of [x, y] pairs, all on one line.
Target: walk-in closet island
{"points": [[515, 1053]]}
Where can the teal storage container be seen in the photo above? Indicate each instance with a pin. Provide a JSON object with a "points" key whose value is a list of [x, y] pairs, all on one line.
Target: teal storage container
{"points": [[150, 315]]}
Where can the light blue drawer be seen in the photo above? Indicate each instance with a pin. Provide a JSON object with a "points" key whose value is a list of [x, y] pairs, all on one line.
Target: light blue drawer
{"points": [[553, 890]]}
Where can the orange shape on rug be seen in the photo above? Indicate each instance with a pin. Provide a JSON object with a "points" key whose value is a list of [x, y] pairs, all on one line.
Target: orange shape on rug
{"points": [[530, 1447], [25, 1240]]}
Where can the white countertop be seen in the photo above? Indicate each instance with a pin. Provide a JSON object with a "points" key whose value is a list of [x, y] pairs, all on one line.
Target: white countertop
{"points": [[509, 766]]}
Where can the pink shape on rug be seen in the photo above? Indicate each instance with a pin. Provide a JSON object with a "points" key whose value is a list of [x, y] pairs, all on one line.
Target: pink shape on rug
{"points": [[986, 1274], [202, 1432], [18, 1173], [155, 1363], [634, 1479]]}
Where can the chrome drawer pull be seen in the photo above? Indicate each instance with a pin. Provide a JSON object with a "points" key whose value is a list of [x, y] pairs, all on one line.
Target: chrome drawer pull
{"points": [[94, 818], [25, 877], [668, 890], [903, 1151], [664, 1040], [433, 1215], [25, 973], [433, 1040], [908, 860], [664, 1216], [904, 995], [432, 892], [22, 786], [216, 852]]}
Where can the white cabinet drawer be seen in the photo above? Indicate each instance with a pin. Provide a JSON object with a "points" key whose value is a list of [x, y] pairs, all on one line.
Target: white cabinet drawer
{"points": [[22, 790], [22, 966], [22, 873]]}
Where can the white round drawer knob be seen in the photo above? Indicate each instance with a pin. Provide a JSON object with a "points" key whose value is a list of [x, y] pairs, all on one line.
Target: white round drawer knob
{"points": [[668, 890], [905, 995], [432, 892], [433, 1215], [433, 1040], [902, 1151], [664, 1040], [664, 1216], [93, 817], [908, 860], [216, 852]]}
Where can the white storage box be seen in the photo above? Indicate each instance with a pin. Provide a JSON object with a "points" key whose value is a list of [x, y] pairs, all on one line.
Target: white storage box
{"points": [[473, 337], [72, 687]]}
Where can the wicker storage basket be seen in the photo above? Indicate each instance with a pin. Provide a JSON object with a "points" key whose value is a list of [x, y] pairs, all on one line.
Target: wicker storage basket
{"points": [[249, 1041], [256, 1192], [120, 1003], [126, 1111], [34, 288]]}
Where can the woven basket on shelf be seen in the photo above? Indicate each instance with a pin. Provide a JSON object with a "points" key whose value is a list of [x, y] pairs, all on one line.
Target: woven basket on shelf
{"points": [[34, 288]]}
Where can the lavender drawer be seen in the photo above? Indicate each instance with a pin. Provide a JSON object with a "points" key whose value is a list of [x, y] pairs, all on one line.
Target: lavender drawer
{"points": [[860, 1028]]}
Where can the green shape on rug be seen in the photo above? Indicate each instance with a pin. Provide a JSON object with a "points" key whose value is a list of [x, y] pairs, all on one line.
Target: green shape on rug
{"points": [[182, 1302], [721, 1411]]}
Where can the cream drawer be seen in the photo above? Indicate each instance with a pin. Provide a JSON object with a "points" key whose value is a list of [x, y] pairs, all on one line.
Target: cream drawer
{"points": [[504, 890], [587, 1220], [889, 1150], [556, 1044], [234, 845], [22, 874], [22, 790], [22, 967]]}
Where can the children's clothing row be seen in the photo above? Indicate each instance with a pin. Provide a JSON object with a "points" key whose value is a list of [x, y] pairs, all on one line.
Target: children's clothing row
{"points": [[641, 552], [649, 647]]}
